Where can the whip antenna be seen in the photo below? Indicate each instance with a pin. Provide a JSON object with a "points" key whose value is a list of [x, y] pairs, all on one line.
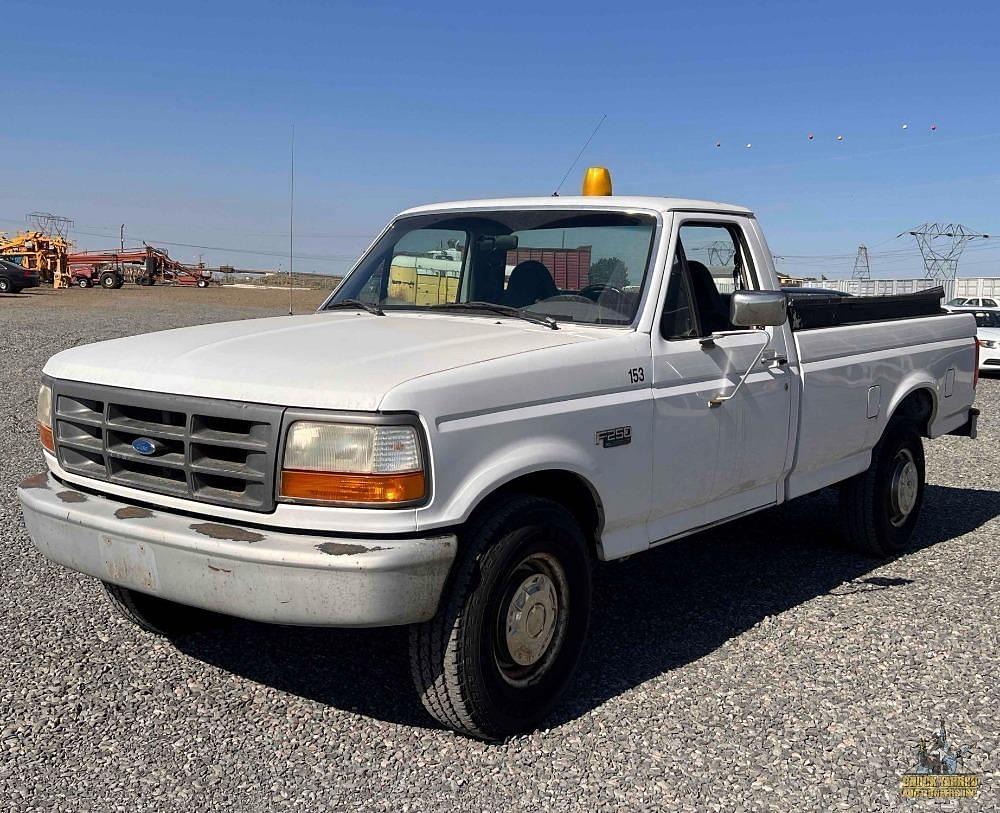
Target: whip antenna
{"points": [[291, 220], [582, 150]]}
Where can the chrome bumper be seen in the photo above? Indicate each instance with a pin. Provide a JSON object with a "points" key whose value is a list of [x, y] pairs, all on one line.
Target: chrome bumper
{"points": [[260, 574]]}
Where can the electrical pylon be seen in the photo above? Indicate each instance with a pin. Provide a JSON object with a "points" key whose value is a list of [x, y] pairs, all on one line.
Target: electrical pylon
{"points": [[941, 245], [862, 268]]}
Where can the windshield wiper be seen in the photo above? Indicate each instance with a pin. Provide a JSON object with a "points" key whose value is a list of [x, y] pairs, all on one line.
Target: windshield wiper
{"points": [[371, 307], [503, 310]]}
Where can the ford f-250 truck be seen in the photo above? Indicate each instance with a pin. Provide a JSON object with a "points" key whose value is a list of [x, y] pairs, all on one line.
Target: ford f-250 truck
{"points": [[452, 441]]}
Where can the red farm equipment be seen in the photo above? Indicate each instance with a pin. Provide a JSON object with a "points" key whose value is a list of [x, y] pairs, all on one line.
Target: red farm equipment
{"points": [[142, 266]]}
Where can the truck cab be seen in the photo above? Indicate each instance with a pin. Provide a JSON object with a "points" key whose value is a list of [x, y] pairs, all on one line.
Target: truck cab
{"points": [[501, 395]]}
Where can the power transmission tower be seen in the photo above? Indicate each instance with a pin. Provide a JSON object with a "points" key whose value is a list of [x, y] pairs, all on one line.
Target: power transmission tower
{"points": [[941, 245], [50, 224], [721, 252], [862, 269]]}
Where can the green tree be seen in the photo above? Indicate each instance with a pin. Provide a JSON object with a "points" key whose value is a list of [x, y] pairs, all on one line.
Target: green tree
{"points": [[609, 271]]}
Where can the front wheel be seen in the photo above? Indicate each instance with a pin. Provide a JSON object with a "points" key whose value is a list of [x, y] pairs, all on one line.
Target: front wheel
{"points": [[879, 508], [5, 286], [203, 283], [156, 615], [83, 282], [510, 631]]}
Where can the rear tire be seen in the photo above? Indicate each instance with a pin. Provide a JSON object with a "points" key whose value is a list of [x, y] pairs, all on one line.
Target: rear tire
{"points": [[512, 625], [156, 615], [109, 281], [879, 508]]}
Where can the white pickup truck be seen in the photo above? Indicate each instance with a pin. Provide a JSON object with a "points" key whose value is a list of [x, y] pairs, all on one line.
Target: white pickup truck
{"points": [[499, 396]]}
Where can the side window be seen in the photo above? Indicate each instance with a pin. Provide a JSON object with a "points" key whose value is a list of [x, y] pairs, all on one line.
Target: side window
{"points": [[989, 303], [678, 319], [426, 267], [717, 264]]}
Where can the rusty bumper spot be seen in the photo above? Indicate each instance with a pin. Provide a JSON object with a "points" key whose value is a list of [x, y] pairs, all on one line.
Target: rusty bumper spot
{"points": [[36, 481], [341, 549], [217, 530], [71, 496], [133, 512], [219, 569]]}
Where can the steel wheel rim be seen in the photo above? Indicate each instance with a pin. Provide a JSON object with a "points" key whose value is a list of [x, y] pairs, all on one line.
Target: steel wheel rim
{"points": [[531, 620], [903, 487]]}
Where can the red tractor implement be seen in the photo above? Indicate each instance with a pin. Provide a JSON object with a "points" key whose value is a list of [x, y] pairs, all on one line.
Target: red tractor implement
{"points": [[141, 266]]}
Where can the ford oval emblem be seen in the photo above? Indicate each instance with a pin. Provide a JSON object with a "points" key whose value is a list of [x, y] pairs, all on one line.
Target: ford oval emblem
{"points": [[146, 446]]}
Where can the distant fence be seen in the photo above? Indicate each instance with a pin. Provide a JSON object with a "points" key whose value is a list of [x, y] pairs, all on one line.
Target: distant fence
{"points": [[963, 286]]}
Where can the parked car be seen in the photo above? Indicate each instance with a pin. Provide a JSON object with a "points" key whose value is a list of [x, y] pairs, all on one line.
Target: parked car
{"points": [[988, 334], [457, 458], [14, 277], [973, 303]]}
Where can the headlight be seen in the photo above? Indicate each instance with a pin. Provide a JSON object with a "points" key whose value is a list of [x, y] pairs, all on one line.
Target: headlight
{"points": [[44, 417], [989, 343], [352, 464]]}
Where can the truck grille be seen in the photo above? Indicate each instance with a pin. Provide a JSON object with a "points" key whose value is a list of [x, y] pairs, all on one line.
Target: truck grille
{"points": [[212, 451]]}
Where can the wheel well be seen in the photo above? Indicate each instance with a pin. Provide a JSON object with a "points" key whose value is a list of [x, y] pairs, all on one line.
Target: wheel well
{"points": [[917, 407], [570, 490]]}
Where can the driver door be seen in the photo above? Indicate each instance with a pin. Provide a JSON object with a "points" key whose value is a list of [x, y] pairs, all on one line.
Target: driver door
{"points": [[713, 463]]}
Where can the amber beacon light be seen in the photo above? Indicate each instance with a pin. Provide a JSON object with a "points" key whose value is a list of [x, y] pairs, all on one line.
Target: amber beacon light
{"points": [[597, 181]]}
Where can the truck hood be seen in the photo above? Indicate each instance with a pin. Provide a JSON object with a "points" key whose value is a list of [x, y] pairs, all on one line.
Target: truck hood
{"points": [[342, 360]]}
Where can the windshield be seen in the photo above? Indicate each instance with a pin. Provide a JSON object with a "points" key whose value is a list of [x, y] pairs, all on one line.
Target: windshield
{"points": [[958, 301], [576, 266]]}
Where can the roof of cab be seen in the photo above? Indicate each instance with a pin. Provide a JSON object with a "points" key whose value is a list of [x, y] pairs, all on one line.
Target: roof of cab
{"points": [[628, 202]]}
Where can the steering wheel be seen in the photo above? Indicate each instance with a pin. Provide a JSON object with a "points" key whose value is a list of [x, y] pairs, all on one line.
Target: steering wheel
{"points": [[598, 289]]}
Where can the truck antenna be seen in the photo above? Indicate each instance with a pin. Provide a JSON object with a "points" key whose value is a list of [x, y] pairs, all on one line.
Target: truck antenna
{"points": [[291, 219], [582, 149]]}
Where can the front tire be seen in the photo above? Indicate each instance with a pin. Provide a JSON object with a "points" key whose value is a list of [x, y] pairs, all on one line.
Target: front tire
{"points": [[879, 508], [156, 615], [5, 286], [509, 633]]}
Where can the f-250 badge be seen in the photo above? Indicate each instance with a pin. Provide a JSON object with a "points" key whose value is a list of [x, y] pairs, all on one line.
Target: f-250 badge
{"points": [[609, 438]]}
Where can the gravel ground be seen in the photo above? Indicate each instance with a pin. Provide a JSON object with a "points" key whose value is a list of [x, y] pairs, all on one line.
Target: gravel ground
{"points": [[757, 667]]}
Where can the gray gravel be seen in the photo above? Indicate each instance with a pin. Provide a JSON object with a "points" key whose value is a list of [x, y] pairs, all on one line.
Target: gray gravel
{"points": [[757, 667]]}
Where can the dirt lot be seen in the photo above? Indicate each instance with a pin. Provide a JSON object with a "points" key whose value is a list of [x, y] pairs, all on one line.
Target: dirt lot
{"points": [[165, 298], [756, 667]]}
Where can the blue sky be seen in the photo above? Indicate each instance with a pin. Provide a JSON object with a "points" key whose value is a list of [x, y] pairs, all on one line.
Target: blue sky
{"points": [[175, 119]]}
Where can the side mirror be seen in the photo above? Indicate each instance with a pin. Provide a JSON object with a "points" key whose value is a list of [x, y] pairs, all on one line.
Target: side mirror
{"points": [[758, 308]]}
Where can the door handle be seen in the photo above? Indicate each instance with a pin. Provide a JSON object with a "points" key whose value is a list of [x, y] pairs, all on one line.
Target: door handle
{"points": [[773, 358]]}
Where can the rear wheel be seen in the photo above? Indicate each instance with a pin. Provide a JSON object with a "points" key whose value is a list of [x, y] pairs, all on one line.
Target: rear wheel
{"points": [[510, 631], [109, 280], [156, 615], [879, 508]]}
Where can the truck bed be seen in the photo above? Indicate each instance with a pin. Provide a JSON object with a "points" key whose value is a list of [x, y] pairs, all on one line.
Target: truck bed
{"points": [[809, 311]]}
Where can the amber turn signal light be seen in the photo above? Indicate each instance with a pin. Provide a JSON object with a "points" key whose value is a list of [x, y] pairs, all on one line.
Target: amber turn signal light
{"points": [[352, 489], [45, 433]]}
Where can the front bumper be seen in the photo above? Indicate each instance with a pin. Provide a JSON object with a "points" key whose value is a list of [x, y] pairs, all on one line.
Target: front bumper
{"points": [[259, 574]]}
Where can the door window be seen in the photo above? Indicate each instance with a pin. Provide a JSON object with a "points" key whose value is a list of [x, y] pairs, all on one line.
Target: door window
{"points": [[711, 261]]}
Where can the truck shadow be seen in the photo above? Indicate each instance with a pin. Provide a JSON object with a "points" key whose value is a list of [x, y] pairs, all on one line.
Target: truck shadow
{"points": [[652, 613]]}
